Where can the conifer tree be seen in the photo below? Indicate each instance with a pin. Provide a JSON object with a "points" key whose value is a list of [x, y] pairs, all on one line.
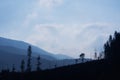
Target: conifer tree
{"points": [[112, 48], [29, 59], [38, 63], [22, 66], [13, 68], [76, 61], [95, 55]]}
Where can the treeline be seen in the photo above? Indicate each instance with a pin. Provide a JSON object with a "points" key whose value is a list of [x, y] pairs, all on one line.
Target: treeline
{"points": [[112, 48], [29, 65], [26, 67]]}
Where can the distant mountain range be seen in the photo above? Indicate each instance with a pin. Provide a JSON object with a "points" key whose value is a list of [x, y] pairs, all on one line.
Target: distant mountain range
{"points": [[14, 46], [13, 51]]}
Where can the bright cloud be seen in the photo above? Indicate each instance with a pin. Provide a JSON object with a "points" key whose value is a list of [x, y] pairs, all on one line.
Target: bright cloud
{"points": [[49, 3], [61, 26], [71, 39], [29, 18], [41, 10]]}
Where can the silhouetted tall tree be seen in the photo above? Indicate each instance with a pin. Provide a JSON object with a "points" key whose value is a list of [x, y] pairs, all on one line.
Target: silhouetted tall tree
{"points": [[22, 66], [38, 63], [82, 55], [55, 65], [29, 59], [13, 68], [112, 47], [101, 55], [76, 61], [95, 55]]}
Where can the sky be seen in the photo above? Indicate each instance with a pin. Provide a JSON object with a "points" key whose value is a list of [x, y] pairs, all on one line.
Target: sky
{"points": [[67, 27]]}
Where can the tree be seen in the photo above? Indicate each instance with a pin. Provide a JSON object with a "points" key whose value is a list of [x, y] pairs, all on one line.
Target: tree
{"points": [[95, 55], [107, 50], [22, 66], [82, 55], [13, 68], [101, 55], [29, 59], [76, 61], [55, 65], [112, 47], [38, 63]]}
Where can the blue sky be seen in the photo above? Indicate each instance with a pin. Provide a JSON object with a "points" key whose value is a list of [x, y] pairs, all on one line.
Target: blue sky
{"points": [[69, 27]]}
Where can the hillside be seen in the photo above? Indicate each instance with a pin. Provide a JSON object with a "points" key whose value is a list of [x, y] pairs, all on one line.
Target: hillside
{"points": [[13, 51], [92, 70], [8, 44]]}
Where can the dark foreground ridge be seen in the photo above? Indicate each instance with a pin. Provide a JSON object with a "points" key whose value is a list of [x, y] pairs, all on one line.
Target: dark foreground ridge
{"points": [[93, 70]]}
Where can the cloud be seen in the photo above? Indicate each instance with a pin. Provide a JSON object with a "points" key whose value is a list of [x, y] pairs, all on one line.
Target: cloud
{"points": [[50, 3], [71, 39], [41, 10], [29, 18], [57, 29]]}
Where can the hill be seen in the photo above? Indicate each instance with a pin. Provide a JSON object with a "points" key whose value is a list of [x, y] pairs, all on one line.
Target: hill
{"points": [[92, 70], [13, 51]]}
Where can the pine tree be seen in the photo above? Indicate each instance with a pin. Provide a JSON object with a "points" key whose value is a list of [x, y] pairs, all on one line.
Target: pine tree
{"points": [[95, 55], [22, 66], [55, 65], [38, 63], [13, 68], [76, 61], [112, 48], [29, 59]]}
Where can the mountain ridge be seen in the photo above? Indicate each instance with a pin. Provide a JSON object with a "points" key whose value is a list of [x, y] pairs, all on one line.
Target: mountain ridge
{"points": [[24, 45], [12, 53]]}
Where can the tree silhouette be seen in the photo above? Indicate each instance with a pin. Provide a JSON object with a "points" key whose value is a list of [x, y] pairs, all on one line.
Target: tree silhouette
{"points": [[13, 68], [76, 61], [112, 47], [82, 55], [55, 65], [29, 59], [101, 55], [95, 55], [22, 66], [38, 63]]}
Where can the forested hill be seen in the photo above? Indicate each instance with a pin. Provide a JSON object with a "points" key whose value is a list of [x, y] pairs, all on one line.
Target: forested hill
{"points": [[92, 70]]}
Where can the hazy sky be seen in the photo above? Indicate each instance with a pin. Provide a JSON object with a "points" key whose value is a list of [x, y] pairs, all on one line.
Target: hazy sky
{"points": [[60, 26]]}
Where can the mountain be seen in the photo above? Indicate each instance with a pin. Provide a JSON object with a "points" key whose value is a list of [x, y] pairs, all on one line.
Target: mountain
{"points": [[10, 45], [13, 51], [8, 59], [62, 56]]}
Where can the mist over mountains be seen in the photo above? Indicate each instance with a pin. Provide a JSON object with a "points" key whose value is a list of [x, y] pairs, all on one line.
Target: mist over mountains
{"points": [[13, 51], [14, 46]]}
